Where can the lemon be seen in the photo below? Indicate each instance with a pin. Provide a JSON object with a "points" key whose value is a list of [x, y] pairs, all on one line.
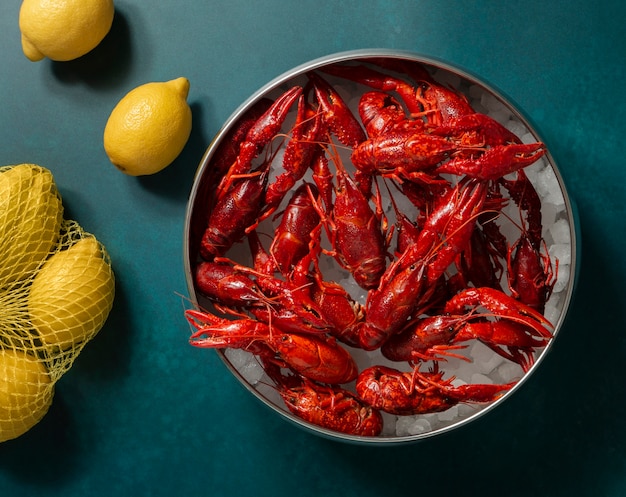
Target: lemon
{"points": [[31, 212], [149, 127], [25, 393], [72, 294], [63, 29]]}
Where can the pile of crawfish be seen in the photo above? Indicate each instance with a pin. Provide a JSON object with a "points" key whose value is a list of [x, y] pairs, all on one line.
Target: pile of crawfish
{"points": [[434, 282]]}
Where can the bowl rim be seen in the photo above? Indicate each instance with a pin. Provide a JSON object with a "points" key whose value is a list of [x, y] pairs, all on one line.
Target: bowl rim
{"points": [[351, 56]]}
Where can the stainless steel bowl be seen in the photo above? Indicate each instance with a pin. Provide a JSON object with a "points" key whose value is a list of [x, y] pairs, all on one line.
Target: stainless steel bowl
{"points": [[466, 82]]}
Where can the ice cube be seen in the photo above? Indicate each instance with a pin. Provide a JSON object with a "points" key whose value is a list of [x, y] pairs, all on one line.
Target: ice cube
{"points": [[560, 231], [562, 252], [562, 278], [246, 364], [481, 379], [412, 425], [515, 127], [486, 360], [510, 371], [449, 414]]}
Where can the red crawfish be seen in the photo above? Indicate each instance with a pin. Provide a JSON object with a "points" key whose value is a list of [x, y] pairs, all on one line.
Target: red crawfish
{"points": [[229, 147], [323, 178], [448, 229], [258, 136], [292, 238], [224, 156], [402, 154], [434, 102], [531, 277], [406, 154], [327, 406], [415, 392], [440, 104], [355, 231], [523, 193], [235, 213], [436, 337], [479, 263], [315, 357], [530, 272]]}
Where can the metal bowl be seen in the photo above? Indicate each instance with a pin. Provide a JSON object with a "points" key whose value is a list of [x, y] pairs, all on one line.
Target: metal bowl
{"points": [[561, 210]]}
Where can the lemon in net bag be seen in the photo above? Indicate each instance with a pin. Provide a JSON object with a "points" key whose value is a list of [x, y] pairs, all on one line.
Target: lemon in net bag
{"points": [[52, 304]]}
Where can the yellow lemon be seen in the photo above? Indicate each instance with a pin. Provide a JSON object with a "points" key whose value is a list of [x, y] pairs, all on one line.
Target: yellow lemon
{"points": [[72, 295], [149, 127], [25, 393], [63, 29], [31, 212]]}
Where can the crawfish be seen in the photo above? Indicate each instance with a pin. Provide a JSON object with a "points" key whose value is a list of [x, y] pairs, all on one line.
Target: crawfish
{"points": [[339, 121], [434, 337], [442, 105], [224, 156], [428, 99], [330, 407], [229, 147], [531, 276], [258, 136], [355, 232], [404, 153], [315, 357], [323, 178], [235, 214], [293, 236], [415, 392]]}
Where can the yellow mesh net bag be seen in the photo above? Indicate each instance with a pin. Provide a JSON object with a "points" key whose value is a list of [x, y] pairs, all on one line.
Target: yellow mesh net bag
{"points": [[56, 291]]}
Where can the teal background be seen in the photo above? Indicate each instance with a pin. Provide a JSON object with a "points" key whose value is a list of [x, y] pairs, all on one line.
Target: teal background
{"points": [[142, 413]]}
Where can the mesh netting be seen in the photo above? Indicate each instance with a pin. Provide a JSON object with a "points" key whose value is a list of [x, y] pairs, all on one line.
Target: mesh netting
{"points": [[56, 291]]}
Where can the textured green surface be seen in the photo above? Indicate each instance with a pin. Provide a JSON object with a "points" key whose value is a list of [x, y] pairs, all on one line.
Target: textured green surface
{"points": [[142, 413]]}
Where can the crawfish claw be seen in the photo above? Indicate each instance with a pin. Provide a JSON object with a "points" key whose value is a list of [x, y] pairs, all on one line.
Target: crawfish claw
{"points": [[496, 161]]}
